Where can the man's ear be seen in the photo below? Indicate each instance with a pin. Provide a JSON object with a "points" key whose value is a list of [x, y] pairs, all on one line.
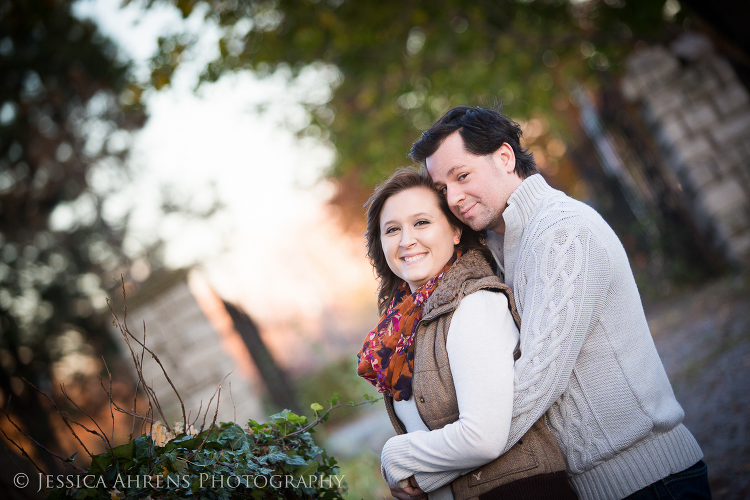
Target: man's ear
{"points": [[505, 158]]}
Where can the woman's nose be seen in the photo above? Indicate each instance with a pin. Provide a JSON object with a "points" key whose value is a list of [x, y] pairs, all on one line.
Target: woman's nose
{"points": [[407, 238]]}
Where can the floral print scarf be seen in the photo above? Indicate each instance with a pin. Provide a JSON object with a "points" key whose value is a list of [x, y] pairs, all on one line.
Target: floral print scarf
{"points": [[387, 356]]}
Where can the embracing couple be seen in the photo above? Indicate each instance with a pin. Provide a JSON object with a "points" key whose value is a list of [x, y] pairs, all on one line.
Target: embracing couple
{"points": [[513, 350]]}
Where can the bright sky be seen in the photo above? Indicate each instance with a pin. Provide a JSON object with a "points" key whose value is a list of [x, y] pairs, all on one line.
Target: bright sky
{"points": [[275, 248]]}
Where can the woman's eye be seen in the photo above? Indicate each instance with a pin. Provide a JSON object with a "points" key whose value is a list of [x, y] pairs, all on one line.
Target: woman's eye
{"points": [[391, 229], [421, 222]]}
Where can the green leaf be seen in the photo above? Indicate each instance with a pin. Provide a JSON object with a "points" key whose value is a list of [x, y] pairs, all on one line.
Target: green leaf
{"points": [[335, 398], [310, 468], [276, 417], [234, 437], [187, 442], [143, 447], [274, 457], [316, 407], [99, 463], [295, 460], [181, 467], [125, 451]]}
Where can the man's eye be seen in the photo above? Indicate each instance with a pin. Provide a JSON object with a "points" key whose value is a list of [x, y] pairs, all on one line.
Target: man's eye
{"points": [[462, 177]]}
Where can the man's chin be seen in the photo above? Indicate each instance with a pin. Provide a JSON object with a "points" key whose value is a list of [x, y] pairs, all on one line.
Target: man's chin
{"points": [[476, 225]]}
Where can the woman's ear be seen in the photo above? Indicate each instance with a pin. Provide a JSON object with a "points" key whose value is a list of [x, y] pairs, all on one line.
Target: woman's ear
{"points": [[456, 235]]}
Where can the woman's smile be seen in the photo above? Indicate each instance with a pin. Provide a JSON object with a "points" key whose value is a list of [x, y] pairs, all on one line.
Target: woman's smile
{"points": [[409, 259]]}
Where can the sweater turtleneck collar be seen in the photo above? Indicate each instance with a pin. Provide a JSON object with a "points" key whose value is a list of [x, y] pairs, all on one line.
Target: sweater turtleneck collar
{"points": [[524, 201], [522, 204]]}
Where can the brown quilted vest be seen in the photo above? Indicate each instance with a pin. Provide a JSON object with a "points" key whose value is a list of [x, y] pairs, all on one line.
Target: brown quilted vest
{"points": [[432, 384]]}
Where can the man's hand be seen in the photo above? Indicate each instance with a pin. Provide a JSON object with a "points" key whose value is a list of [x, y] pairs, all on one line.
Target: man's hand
{"points": [[409, 492]]}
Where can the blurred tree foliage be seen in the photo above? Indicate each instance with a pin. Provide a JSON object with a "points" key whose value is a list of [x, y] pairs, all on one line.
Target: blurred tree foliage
{"points": [[401, 64], [67, 107]]}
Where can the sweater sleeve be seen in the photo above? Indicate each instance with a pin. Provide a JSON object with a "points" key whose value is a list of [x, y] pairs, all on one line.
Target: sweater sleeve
{"points": [[563, 281], [481, 341]]}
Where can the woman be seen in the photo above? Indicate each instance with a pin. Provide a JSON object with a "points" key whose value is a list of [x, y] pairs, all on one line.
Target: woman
{"points": [[443, 354]]}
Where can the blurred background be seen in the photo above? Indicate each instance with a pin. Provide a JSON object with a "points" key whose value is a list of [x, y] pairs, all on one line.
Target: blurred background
{"points": [[215, 155]]}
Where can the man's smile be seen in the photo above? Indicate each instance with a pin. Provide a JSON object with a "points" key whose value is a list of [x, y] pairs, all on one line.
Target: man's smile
{"points": [[468, 212]]}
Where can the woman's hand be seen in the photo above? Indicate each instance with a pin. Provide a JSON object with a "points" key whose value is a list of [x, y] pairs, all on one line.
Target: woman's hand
{"points": [[409, 492]]}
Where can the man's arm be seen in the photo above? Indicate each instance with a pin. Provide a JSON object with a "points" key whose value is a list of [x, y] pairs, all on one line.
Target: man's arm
{"points": [[562, 285]]}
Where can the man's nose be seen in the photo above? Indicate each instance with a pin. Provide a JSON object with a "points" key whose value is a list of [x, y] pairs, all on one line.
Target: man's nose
{"points": [[454, 197]]}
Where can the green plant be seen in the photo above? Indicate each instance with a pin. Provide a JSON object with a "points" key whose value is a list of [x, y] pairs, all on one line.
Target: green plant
{"points": [[277, 459]]}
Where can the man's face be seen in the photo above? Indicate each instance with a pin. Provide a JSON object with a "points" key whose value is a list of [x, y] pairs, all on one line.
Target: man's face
{"points": [[477, 188]]}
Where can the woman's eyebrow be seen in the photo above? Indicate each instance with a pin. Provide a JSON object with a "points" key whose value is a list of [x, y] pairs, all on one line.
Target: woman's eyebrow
{"points": [[419, 214]]}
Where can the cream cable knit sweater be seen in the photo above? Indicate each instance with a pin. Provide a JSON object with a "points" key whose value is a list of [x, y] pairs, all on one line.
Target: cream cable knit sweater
{"points": [[587, 356], [481, 341]]}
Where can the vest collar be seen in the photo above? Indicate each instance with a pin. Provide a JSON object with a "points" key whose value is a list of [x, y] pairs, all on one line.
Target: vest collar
{"points": [[471, 266]]}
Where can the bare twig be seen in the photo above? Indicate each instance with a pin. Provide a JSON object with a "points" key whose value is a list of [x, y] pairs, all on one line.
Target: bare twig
{"points": [[135, 396], [153, 400], [22, 450], [321, 417], [34, 442], [135, 407], [124, 330], [210, 429], [66, 420], [134, 415], [109, 393], [138, 365], [103, 435], [198, 415], [124, 304], [231, 397], [218, 389]]}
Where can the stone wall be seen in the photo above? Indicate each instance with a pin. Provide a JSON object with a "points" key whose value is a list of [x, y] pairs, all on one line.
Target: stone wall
{"points": [[699, 113]]}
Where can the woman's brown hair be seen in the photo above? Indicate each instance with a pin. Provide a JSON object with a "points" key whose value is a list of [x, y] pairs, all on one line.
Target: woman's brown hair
{"points": [[401, 180]]}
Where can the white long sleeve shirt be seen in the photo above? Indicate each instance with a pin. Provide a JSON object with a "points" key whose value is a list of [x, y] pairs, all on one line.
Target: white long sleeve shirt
{"points": [[481, 340]]}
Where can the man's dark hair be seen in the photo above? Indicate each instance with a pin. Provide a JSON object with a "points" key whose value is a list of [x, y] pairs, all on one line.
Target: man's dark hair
{"points": [[483, 131]]}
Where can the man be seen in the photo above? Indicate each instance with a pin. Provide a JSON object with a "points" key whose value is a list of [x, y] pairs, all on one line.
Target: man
{"points": [[587, 357]]}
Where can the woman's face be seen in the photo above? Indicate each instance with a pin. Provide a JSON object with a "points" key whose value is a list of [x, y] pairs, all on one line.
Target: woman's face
{"points": [[416, 237]]}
